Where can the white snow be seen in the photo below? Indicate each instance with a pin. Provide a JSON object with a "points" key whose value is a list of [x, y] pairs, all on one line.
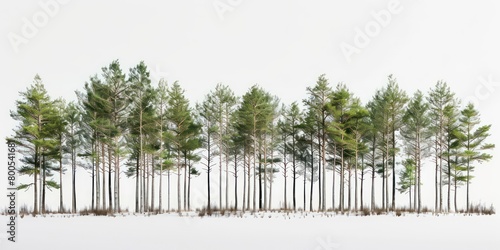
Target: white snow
{"points": [[260, 231]]}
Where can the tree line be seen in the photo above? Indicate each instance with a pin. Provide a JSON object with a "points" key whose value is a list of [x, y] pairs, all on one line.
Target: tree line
{"points": [[122, 125]]}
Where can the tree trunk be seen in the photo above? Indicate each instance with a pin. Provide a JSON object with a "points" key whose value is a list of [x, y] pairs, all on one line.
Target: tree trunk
{"points": [[152, 183], [312, 177], [356, 181], [44, 183], [103, 177], [117, 177], [373, 173], [61, 204], [189, 188], [393, 166], [227, 180], [235, 181], [137, 177], [320, 170], [185, 180], [110, 193], [73, 180], [178, 182], [436, 177], [362, 180], [98, 177], [168, 190]]}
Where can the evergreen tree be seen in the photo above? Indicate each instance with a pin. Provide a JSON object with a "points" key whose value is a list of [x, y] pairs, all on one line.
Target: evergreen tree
{"points": [[37, 116], [318, 99], [180, 119], [472, 140], [417, 135], [439, 97]]}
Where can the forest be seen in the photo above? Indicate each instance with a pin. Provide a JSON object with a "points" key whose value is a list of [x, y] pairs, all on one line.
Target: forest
{"points": [[123, 125]]}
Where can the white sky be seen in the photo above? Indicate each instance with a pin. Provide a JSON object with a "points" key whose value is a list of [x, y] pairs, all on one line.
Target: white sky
{"points": [[281, 45]]}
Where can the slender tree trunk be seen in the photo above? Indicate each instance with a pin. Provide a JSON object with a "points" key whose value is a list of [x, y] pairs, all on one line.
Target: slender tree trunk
{"points": [[467, 184], [356, 181], [373, 173], [334, 172], [305, 170], [178, 182], [235, 181], [294, 180], [35, 180], [456, 187], [137, 177], [185, 180], [103, 177], [110, 193], [312, 176], [145, 183], [61, 203], [436, 177], [189, 187], [323, 157], [98, 177], [265, 173], [220, 171], [349, 188], [362, 180], [285, 176], [117, 177], [160, 187], [152, 183], [393, 166], [168, 190], [272, 176], [320, 170], [254, 165], [209, 169], [44, 183], [387, 175], [73, 180], [93, 178], [227, 180], [244, 178], [342, 179], [441, 146], [449, 176], [248, 180]]}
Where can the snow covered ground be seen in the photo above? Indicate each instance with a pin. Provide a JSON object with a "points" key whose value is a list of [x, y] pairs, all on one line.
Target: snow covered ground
{"points": [[260, 231]]}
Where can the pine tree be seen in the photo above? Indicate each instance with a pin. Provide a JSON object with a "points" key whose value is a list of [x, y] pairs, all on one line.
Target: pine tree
{"points": [[252, 113], [74, 135], [439, 97], [473, 142], [179, 119], [141, 115], [318, 99], [417, 135], [395, 100], [407, 179], [35, 113]]}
